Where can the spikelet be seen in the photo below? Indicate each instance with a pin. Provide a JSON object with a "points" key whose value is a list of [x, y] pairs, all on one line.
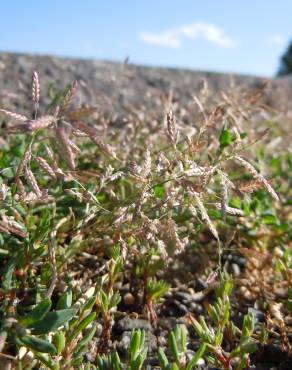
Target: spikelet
{"points": [[249, 186], [161, 247], [193, 210], [138, 205], [65, 147], [161, 162], [134, 168], [79, 133], [9, 227], [172, 131], [146, 169], [35, 87], [74, 146], [172, 235], [114, 176], [24, 160], [53, 160], [199, 104], [230, 210], [32, 182], [32, 125], [278, 317], [257, 176], [3, 191], [198, 171], [21, 188], [42, 122], [46, 167], [224, 194], [69, 96], [211, 278], [204, 214], [94, 136], [16, 116]]}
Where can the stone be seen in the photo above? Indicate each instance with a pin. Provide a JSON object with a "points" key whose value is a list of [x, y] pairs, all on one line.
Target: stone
{"points": [[128, 324]]}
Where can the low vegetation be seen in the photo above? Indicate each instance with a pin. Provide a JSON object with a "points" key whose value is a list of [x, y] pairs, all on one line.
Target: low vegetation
{"points": [[95, 219]]}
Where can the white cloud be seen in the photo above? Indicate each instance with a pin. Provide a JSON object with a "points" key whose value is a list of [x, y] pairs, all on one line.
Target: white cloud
{"points": [[277, 39], [173, 37], [166, 38]]}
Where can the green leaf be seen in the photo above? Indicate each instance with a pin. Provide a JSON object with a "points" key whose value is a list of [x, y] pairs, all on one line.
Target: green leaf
{"points": [[7, 274], [115, 300], [86, 338], [82, 325], [199, 354], [138, 362], [246, 347], [89, 304], [135, 343], [269, 219], [77, 362], [36, 314], [173, 346], [159, 191], [116, 361], [164, 363], [225, 137], [53, 320], [37, 344], [59, 341], [104, 301], [65, 301], [47, 361]]}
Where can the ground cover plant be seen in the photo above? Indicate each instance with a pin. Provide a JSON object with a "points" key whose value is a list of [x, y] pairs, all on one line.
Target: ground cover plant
{"points": [[157, 243]]}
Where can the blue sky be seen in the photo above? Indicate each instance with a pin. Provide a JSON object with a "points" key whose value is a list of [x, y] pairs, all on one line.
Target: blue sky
{"points": [[243, 36]]}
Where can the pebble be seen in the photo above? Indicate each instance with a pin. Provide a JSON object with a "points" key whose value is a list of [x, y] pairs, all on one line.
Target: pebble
{"points": [[235, 269], [128, 299], [186, 297], [128, 324], [194, 307], [183, 310]]}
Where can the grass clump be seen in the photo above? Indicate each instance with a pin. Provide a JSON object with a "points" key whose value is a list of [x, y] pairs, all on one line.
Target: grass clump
{"points": [[94, 218]]}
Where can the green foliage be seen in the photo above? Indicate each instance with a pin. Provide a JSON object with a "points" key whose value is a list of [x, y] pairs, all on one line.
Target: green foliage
{"points": [[225, 138], [213, 337], [177, 343], [137, 350], [109, 362]]}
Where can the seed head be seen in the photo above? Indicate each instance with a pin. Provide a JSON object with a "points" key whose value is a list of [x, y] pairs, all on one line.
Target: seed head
{"points": [[35, 87]]}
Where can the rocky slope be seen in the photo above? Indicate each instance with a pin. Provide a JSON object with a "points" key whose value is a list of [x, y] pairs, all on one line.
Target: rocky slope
{"points": [[115, 88]]}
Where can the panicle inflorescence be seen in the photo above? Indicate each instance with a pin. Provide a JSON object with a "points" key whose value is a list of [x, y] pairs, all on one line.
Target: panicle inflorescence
{"points": [[16, 116], [172, 130], [257, 176], [95, 137], [70, 95], [46, 167], [65, 147], [32, 181], [35, 87]]}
